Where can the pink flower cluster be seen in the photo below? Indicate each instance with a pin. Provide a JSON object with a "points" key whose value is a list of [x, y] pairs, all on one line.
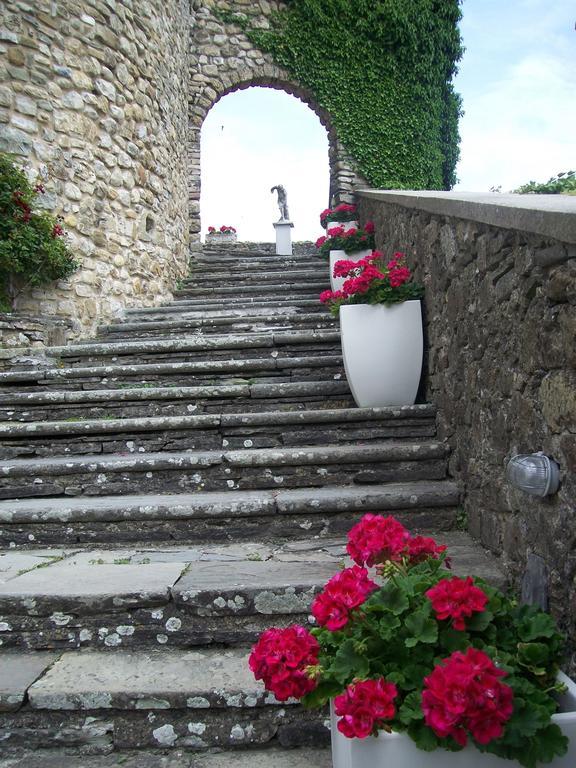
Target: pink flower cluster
{"points": [[376, 539], [281, 658], [343, 208], [345, 591], [465, 695], [362, 273], [456, 599], [364, 706], [224, 230]]}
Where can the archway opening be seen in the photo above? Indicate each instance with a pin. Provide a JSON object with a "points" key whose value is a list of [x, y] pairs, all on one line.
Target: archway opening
{"points": [[252, 140]]}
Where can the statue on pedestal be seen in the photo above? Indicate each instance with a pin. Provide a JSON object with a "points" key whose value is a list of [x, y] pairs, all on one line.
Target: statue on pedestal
{"points": [[282, 202]]}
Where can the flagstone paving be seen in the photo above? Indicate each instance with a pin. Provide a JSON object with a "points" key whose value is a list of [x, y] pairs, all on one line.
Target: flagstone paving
{"points": [[169, 490]]}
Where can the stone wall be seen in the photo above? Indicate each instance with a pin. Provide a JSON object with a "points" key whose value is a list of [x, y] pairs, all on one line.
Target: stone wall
{"points": [[500, 320], [222, 60], [93, 95]]}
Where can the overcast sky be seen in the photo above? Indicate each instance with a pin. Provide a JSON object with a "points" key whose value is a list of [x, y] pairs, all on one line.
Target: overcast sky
{"points": [[518, 82]]}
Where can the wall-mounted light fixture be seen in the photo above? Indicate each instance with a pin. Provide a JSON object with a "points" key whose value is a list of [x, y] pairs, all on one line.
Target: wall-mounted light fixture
{"points": [[533, 473]]}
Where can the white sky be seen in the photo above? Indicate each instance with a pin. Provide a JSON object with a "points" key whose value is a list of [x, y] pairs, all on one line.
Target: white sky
{"points": [[518, 82]]}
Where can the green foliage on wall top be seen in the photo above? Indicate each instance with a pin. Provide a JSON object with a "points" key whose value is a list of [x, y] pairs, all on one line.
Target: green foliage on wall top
{"points": [[382, 69]]}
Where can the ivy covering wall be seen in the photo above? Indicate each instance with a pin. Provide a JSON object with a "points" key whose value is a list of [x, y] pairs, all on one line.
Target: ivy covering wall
{"points": [[383, 70]]}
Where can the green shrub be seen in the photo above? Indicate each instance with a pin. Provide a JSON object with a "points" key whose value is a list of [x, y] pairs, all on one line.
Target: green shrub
{"points": [[33, 249], [563, 183]]}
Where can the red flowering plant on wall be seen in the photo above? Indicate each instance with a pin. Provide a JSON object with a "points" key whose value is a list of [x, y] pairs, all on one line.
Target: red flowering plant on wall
{"points": [[401, 644], [350, 241], [223, 230], [372, 281], [341, 213]]}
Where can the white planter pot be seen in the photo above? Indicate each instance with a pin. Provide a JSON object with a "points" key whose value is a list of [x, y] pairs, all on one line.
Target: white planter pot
{"points": [[396, 750], [345, 224], [382, 348], [337, 282], [229, 237]]}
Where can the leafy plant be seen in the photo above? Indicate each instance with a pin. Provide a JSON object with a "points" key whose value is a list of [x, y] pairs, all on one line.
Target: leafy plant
{"points": [[349, 240], [33, 249], [382, 70], [371, 282], [224, 230], [443, 659], [563, 183], [341, 213]]}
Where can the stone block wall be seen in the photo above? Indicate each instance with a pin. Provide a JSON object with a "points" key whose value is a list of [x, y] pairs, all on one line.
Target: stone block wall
{"points": [[222, 60], [500, 325], [93, 96]]}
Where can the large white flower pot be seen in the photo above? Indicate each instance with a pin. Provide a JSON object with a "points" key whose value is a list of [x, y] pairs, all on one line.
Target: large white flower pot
{"points": [[396, 750], [382, 348], [336, 283]]}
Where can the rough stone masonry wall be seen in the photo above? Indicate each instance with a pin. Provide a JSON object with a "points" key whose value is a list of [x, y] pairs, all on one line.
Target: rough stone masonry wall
{"points": [[94, 93], [500, 310], [222, 60]]}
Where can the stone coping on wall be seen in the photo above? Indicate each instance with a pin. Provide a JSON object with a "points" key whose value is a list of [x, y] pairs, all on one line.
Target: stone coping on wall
{"points": [[553, 216]]}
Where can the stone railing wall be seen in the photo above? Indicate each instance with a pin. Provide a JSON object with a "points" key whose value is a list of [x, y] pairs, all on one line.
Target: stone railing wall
{"points": [[500, 324], [94, 95]]}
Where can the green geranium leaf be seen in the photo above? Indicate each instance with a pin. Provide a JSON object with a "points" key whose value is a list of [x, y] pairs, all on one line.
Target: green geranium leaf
{"points": [[540, 625], [423, 737], [423, 628], [388, 626], [454, 640], [349, 663], [534, 656], [411, 708], [391, 598], [325, 691], [479, 621]]}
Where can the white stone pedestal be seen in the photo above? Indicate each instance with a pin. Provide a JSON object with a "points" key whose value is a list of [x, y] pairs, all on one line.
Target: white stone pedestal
{"points": [[283, 238]]}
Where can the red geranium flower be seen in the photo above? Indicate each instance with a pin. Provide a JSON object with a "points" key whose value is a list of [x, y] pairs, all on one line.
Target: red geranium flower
{"points": [[456, 599], [376, 539], [344, 592], [465, 695], [364, 706], [281, 658]]}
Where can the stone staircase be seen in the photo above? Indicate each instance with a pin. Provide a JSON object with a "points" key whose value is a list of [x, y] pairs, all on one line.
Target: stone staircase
{"points": [[170, 489]]}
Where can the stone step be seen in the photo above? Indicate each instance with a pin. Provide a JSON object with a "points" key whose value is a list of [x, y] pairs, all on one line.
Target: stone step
{"points": [[229, 516], [259, 367], [231, 304], [216, 347], [176, 597], [304, 757], [242, 276], [194, 699], [135, 402], [309, 288], [263, 429], [189, 472], [241, 323]]}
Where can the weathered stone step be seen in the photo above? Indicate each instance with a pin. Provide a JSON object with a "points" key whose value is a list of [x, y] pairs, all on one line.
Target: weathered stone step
{"points": [[155, 699], [231, 516], [245, 469], [176, 597], [309, 288], [242, 276], [247, 302], [304, 757], [241, 323], [264, 429], [220, 347], [173, 401], [177, 313], [267, 369]]}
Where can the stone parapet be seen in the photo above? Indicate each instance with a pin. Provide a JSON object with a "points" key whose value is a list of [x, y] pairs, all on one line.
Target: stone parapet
{"points": [[500, 319]]}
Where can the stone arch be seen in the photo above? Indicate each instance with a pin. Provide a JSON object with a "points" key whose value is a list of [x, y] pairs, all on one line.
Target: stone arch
{"points": [[222, 61]]}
